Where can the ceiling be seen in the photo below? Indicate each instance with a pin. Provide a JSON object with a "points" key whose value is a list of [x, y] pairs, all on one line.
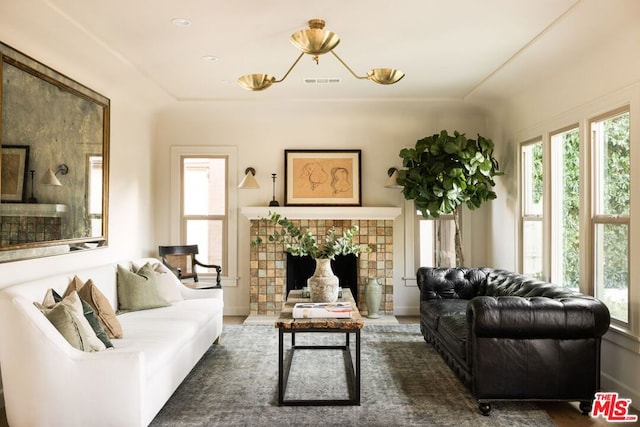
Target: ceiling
{"points": [[454, 49]]}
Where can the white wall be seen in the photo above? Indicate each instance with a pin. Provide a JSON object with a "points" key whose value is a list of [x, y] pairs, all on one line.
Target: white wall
{"points": [[263, 130], [605, 77]]}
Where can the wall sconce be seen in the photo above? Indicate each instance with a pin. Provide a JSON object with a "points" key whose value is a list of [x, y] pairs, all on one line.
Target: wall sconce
{"points": [[249, 181], [50, 177], [392, 181]]}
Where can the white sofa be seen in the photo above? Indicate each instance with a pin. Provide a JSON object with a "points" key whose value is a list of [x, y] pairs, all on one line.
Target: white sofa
{"points": [[47, 382]]}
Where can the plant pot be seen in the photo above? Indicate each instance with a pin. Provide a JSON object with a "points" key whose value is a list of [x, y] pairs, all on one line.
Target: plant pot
{"points": [[323, 285], [373, 297]]}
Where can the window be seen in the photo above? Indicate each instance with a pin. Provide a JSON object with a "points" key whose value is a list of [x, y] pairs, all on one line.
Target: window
{"points": [[579, 237], [202, 194], [565, 207], [610, 143], [437, 241], [204, 206], [94, 198], [531, 208]]}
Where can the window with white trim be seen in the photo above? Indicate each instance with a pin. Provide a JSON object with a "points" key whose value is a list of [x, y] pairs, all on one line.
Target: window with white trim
{"points": [[610, 221], [580, 236], [204, 206], [565, 207], [436, 247], [94, 196], [532, 191]]}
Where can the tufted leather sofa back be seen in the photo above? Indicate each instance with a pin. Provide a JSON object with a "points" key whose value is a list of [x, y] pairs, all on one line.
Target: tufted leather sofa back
{"points": [[466, 283], [507, 283]]}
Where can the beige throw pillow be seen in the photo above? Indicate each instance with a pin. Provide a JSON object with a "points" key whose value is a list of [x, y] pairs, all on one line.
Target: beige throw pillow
{"points": [[89, 339], [91, 294], [62, 319], [88, 311], [138, 291]]}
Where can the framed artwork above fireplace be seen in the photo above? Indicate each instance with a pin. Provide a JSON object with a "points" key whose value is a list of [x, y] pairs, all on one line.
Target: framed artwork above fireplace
{"points": [[322, 178]]}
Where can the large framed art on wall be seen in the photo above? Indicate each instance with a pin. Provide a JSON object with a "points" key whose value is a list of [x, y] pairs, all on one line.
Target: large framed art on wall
{"points": [[322, 178]]}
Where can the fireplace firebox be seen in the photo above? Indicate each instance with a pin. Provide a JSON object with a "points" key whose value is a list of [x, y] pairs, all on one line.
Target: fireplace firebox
{"points": [[299, 269]]}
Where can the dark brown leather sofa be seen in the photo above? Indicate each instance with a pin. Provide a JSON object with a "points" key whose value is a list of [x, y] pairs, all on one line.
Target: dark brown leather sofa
{"points": [[511, 337]]}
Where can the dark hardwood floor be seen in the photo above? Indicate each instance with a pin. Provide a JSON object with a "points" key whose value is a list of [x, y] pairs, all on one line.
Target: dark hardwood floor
{"points": [[563, 414]]}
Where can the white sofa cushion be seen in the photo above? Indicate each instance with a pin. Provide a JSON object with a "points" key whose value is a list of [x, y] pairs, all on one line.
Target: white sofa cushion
{"points": [[161, 333]]}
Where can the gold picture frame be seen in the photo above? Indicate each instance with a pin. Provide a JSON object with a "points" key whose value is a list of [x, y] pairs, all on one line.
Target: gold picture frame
{"points": [[15, 160], [322, 178]]}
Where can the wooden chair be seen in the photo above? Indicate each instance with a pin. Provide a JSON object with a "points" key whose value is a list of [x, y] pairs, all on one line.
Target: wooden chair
{"points": [[181, 260]]}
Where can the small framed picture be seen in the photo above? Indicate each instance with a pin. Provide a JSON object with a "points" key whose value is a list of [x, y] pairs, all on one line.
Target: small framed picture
{"points": [[322, 178], [15, 160]]}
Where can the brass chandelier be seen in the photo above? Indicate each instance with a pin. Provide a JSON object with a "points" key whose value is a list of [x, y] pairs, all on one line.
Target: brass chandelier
{"points": [[317, 41]]}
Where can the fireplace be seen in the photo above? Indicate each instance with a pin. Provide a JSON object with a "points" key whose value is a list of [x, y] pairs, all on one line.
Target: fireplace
{"points": [[299, 269], [268, 262]]}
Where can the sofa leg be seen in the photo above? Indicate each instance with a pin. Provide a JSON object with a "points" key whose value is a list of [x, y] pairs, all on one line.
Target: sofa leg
{"points": [[585, 406], [217, 341], [485, 408]]}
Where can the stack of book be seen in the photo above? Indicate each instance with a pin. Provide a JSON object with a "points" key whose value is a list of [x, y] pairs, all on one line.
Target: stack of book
{"points": [[312, 310]]}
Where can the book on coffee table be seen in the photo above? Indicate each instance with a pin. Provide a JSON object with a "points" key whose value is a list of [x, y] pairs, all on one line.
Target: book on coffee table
{"points": [[311, 310]]}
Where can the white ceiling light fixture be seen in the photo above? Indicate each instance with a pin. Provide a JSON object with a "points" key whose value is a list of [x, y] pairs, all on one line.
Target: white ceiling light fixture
{"points": [[316, 41], [181, 22]]}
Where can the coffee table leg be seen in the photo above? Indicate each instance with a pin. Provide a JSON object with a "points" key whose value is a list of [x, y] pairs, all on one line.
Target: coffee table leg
{"points": [[280, 366], [357, 378]]}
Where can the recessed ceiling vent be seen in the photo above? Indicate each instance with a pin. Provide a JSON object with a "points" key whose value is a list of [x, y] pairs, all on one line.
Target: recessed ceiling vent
{"points": [[321, 80]]}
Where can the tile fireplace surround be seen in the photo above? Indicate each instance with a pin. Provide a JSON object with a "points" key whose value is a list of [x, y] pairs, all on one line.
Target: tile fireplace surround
{"points": [[268, 261]]}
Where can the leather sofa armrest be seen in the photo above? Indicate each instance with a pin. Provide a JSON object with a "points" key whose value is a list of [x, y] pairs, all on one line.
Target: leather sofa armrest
{"points": [[537, 317]]}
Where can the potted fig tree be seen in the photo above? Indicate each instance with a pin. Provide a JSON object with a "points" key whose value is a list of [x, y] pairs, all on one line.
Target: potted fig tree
{"points": [[444, 172]]}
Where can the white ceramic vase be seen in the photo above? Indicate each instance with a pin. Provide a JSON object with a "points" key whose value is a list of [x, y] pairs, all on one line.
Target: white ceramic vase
{"points": [[323, 285]]}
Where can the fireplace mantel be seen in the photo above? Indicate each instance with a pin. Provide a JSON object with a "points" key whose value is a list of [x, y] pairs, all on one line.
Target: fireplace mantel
{"points": [[324, 212]]}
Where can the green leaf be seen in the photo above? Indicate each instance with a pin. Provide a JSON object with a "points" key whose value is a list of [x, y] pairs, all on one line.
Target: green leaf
{"points": [[451, 147]]}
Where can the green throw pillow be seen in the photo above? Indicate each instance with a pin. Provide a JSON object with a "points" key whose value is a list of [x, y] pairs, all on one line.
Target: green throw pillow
{"points": [[138, 291]]}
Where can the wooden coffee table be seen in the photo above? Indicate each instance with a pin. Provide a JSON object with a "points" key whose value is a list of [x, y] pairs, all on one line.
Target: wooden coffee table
{"points": [[286, 324]]}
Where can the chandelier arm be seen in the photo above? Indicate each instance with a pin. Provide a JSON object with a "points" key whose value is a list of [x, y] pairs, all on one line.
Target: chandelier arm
{"points": [[290, 68], [348, 68]]}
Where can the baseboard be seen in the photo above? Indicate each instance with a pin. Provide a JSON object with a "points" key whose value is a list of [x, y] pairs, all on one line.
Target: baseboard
{"points": [[406, 310], [235, 311], [608, 383]]}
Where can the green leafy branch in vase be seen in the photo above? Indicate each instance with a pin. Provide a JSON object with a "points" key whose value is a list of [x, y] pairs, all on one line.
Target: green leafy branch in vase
{"points": [[299, 242]]}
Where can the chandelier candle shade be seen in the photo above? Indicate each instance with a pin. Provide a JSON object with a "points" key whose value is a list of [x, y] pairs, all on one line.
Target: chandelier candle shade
{"points": [[316, 41]]}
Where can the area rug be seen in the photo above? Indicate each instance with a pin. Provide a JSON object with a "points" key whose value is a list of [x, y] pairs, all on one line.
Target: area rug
{"points": [[404, 383]]}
